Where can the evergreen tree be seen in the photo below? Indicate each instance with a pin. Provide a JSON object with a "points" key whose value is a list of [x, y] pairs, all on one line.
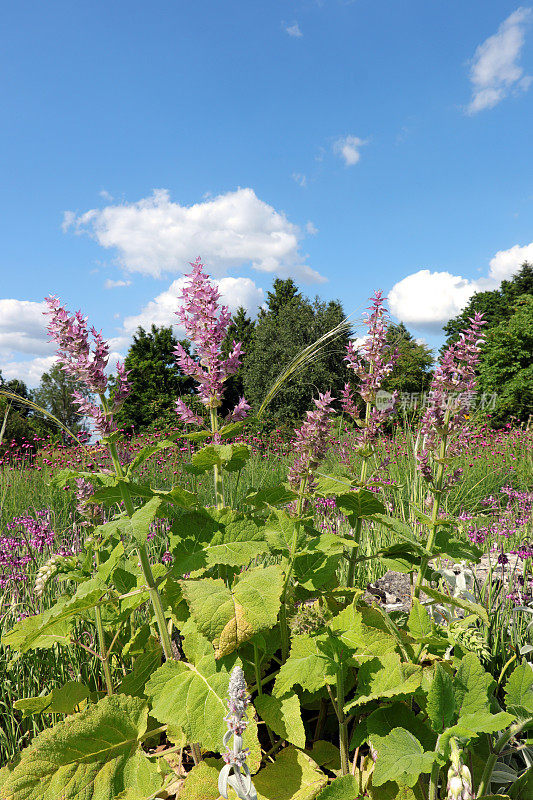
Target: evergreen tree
{"points": [[289, 324], [241, 329], [155, 378], [506, 368], [413, 368]]}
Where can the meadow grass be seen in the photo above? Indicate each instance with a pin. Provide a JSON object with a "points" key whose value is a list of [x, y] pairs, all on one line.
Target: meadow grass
{"points": [[492, 461]]}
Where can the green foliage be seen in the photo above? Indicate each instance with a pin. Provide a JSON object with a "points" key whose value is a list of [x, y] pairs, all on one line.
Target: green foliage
{"points": [[241, 329], [55, 394], [291, 323], [155, 378], [414, 364]]}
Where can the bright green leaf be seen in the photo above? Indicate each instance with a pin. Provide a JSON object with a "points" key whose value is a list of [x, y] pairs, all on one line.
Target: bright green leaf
{"points": [[62, 700], [143, 668], [401, 758], [345, 788], [283, 716], [441, 701], [471, 686], [308, 665], [292, 776], [519, 690]]}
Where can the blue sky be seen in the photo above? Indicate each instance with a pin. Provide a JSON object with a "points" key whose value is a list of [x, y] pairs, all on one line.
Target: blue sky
{"points": [[352, 145]]}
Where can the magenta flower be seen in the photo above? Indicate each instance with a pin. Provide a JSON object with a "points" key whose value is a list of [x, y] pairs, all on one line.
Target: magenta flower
{"points": [[310, 442], [85, 362], [451, 395], [372, 363], [206, 323]]}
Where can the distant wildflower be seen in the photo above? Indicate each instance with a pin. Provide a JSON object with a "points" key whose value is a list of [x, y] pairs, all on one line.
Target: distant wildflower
{"points": [[310, 442], [86, 362], [206, 323], [451, 394], [372, 362], [235, 772]]}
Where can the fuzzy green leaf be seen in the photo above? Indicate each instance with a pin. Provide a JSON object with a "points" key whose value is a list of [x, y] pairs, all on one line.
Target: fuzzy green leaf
{"points": [[385, 677], [398, 715], [360, 503], [147, 452], [345, 788], [401, 758], [229, 617], [308, 665], [231, 457], [62, 700], [86, 757], [271, 497], [471, 686], [365, 631], [419, 623], [143, 668], [292, 776], [519, 690], [283, 716], [203, 539], [469, 726], [441, 701], [138, 525]]}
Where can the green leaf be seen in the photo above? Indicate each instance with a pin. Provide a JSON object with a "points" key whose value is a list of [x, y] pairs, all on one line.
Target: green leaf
{"points": [[138, 525], [271, 497], [522, 789], [385, 677], [27, 634], [203, 539], [471, 686], [325, 754], [360, 503], [283, 716], [147, 452], [281, 530], [201, 783], [143, 668], [419, 623], [469, 726], [194, 697], [231, 429], [62, 700], [466, 605], [399, 715], [231, 457], [91, 756], [519, 690], [456, 549], [229, 617], [292, 776], [329, 486], [441, 701], [142, 778], [308, 665], [365, 630], [345, 788], [401, 758]]}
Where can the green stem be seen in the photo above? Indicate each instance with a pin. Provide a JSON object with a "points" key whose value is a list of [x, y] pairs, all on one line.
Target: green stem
{"points": [[343, 722], [104, 655], [357, 530], [437, 496], [284, 628], [257, 668], [506, 737], [141, 550], [219, 483], [434, 777]]}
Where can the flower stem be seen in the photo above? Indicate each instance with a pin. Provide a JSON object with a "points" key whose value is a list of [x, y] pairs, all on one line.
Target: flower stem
{"points": [[506, 737], [143, 555], [104, 655], [219, 482], [437, 496], [284, 628]]}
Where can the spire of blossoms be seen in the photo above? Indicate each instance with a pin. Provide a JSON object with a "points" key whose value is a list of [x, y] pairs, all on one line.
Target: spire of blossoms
{"points": [[310, 441], [451, 393], [85, 361], [206, 323], [372, 362]]}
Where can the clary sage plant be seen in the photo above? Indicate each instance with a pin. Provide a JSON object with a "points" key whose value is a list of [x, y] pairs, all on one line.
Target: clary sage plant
{"points": [[247, 663]]}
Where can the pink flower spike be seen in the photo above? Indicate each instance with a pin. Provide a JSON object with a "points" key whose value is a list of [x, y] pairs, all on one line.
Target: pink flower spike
{"points": [[240, 411], [187, 416]]}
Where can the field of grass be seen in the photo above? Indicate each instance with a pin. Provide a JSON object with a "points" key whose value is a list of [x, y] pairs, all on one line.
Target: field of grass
{"points": [[494, 462]]}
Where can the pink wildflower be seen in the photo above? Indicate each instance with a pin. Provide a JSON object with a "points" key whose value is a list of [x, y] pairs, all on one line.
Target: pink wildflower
{"points": [[310, 442]]}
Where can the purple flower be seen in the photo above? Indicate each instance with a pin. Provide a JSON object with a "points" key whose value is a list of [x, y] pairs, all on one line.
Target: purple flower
{"points": [[451, 393], [310, 442], [372, 362], [85, 362], [206, 324]]}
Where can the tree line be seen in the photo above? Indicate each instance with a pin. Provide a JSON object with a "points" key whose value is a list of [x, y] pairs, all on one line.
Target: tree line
{"points": [[287, 323]]}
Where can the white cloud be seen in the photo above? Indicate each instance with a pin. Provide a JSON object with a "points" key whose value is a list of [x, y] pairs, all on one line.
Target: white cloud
{"points": [[22, 328], [300, 179], [161, 310], [29, 371], [426, 300], [110, 284], [155, 235], [311, 228], [293, 30], [495, 71], [347, 147]]}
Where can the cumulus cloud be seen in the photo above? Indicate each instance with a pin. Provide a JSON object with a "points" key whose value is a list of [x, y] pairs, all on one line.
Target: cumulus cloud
{"points": [[426, 299], [495, 70], [155, 235], [293, 30], [29, 371], [22, 328], [347, 147], [161, 310], [111, 284]]}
